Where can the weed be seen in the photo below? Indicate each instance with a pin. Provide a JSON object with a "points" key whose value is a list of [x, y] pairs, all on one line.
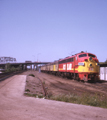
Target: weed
{"points": [[27, 90], [85, 99], [43, 82], [34, 95], [32, 75], [49, 94], [28, 94], [40, 96]]}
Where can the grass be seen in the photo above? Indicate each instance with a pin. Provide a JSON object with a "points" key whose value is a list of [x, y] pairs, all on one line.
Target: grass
{"points": [[27, 90], [85, 99], [32, 75], [34, 95]]}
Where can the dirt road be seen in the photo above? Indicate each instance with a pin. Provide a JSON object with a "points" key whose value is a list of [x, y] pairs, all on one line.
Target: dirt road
{"points": [[15, 106]]}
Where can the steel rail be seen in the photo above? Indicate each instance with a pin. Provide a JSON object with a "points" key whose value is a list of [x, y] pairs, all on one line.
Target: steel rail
{"points": [[4, 76], [43, 87]]}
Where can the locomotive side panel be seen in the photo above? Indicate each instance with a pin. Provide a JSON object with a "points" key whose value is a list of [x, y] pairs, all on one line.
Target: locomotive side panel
{"points": [[70, 65], [62, 66]]}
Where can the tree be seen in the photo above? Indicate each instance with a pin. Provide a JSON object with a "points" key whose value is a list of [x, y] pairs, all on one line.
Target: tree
{"points": [[106, 61]]}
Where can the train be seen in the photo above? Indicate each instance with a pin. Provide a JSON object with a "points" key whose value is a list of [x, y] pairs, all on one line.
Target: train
{"points": [[82, 66]]}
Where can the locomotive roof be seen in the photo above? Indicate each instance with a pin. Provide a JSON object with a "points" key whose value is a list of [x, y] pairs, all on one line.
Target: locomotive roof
{"points": [[85, 53], [69, 57], [75, 55]]}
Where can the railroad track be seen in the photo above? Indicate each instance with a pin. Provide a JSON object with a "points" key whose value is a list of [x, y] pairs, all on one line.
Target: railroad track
{"points": [[43, 87], [4, 76], [5, 83], [58, 85], [101, 86], [79, 86]]}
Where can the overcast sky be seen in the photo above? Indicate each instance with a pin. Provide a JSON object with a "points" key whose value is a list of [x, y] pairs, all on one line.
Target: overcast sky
{"points": [[46, 30]]}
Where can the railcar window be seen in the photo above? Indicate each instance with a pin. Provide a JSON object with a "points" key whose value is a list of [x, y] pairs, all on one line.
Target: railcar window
{"points": [[90, 55], [82, 55]]}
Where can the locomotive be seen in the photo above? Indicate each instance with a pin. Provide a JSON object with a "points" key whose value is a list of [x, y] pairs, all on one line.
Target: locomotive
{"points": [[81, 66]]}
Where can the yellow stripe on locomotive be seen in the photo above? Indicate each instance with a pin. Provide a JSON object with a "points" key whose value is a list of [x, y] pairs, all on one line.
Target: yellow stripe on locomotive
{"points": [[89, 66]]}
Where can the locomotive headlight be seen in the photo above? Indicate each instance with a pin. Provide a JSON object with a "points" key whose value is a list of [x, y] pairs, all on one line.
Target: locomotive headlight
{"points": [[90, 64]]}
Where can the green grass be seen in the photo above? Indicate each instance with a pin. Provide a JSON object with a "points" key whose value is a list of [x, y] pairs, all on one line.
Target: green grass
{"points": [[85, 99]]}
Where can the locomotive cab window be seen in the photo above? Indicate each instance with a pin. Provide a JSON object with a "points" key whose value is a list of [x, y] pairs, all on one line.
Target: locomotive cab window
{"points": [[90, 55], [82, 55]]}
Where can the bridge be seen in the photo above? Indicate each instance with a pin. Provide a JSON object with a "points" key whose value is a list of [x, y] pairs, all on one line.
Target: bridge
{"points": [[23, 65], [4, 61]]}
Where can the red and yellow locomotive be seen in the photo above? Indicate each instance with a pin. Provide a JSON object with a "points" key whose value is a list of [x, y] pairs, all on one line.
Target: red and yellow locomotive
{"points": [[81, 66]]}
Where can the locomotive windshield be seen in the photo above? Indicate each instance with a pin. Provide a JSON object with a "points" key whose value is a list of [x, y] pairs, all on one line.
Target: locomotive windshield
{"points": [[82, 55], [90, 55]]}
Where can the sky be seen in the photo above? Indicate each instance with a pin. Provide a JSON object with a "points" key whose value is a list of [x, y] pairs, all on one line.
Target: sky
{"points": [[47, 30]]}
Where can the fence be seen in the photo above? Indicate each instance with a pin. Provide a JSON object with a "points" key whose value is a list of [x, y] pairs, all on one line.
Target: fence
{"points": [[103, 73]]}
